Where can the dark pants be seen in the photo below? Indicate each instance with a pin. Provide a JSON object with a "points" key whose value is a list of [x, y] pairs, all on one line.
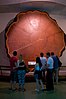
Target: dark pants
{"points": [[44, 76], [49, 78], [13, 76]]}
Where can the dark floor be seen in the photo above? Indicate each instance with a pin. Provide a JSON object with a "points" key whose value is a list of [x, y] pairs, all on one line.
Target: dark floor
{"points": [[58, 93]]}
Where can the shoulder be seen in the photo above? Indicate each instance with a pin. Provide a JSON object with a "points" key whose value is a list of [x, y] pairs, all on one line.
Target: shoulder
{"points": [[11, 58], [36, 64], [15, 59], [50, 59], [44, 58]]}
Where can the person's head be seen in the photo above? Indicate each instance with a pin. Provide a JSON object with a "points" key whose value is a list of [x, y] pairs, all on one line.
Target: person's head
{"points": [[14, 53], [41, 54], [48, 54], [38, 61], [20, 57], [52, 53]]}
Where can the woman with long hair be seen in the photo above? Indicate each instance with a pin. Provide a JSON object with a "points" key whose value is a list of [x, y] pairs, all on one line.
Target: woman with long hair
{"points": [[38, 75]]}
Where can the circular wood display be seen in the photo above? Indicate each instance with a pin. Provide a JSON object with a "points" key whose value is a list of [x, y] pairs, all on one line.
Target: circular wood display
{"points": [[34, 32]]}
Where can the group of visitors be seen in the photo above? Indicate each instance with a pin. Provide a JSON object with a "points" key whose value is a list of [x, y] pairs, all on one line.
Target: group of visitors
{"points": [[48, 64], [18, 70], [47, 67]]}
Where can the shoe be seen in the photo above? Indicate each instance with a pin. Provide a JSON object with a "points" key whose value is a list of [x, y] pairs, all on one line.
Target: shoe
{"points": [[37, 90], [23, 90], [42, 89], [10, 88], [19, 89], [14, 89]]}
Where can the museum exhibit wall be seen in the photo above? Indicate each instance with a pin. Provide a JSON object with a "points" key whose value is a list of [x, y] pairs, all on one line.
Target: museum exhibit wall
{"points": [[5, 19]]}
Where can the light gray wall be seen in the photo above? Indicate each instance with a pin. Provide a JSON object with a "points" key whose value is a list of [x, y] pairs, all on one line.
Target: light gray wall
{"points": [[6, 17], [61, 20], [5, 2]]}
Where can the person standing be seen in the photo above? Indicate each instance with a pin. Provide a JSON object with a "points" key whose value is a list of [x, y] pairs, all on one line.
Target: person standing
{"points": [[44, 62], [21, 73], [56, 67], [38, 75], [49, 77], [13, 71]]}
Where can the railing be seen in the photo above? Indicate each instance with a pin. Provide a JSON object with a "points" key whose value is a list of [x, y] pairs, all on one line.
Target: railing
{"points": [[4, 70]]}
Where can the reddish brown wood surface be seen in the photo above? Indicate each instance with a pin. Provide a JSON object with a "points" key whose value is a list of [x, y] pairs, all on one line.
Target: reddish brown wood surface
{"points": [[34, 32]]}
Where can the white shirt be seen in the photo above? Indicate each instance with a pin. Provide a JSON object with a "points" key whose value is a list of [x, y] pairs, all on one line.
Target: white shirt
{"points": [[17, 65], [50, 63], [43, 61]]}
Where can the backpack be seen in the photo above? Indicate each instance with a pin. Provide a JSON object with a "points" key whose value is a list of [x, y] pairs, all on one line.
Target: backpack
{"points": [[59, 62]]}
